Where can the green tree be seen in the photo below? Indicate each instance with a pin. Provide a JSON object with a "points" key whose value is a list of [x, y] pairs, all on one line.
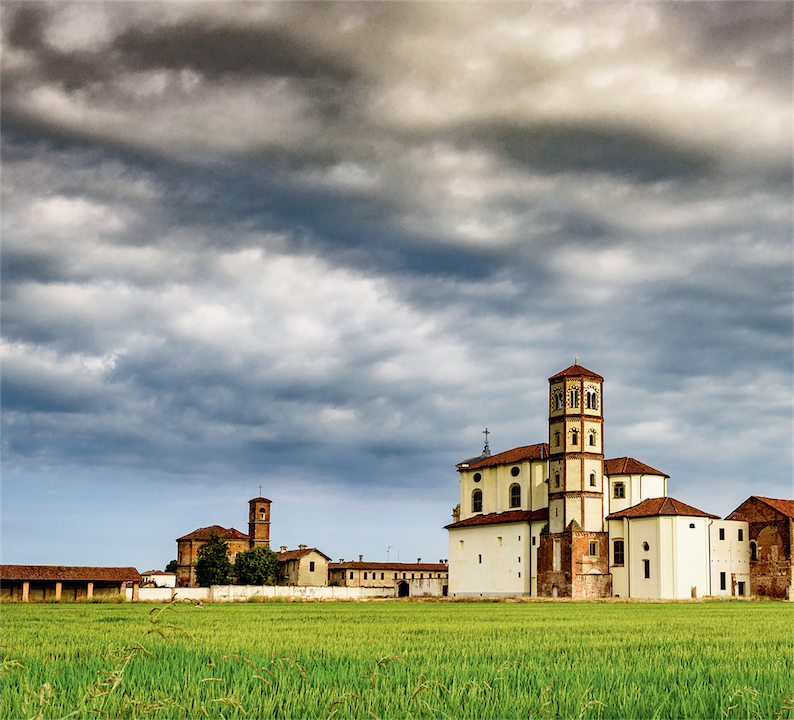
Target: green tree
{"points": [[212, 565], [256, 566], [171, 567]]}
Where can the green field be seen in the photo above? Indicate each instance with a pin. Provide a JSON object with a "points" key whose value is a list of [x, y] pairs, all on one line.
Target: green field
{"points": [[398, 660]]}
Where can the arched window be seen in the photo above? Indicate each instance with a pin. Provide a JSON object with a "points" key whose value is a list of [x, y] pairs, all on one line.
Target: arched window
{"points": [[574, 398], [556, 479], [592, 480], [557, 438], [476, 501], [753, 551], [515, 496], [558, 401], [591, 401], [592, 438], [574, 438]]}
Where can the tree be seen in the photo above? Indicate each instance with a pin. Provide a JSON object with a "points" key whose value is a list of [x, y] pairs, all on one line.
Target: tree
{"points": [[212, 565], [256, 566], [171, 567]]}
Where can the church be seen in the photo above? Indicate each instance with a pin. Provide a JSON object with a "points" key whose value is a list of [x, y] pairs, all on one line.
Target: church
{"points": [[557, 519]]}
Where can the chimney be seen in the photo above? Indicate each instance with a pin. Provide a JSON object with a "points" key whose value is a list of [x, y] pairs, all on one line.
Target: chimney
{"points": [[361, 558], [418, 561], [301, 547], [341, 560], [283, 548]]}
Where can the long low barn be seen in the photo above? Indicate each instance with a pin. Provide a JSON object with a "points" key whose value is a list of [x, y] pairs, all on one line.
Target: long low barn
{"points": [[31, 583]]}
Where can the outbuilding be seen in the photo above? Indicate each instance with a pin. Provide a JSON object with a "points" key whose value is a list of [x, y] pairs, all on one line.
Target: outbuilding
{"points": [[31, 583]]}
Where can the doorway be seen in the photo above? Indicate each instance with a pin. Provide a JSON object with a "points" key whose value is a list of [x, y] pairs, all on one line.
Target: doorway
{"points": [[402, 589]]}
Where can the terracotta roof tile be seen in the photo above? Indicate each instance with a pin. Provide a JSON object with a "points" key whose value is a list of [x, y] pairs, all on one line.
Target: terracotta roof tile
{"points": [[527, 452], [575, 371], [660, 506], [260, 499], [784, 506], [221, 532], [629, 466], [510, 516], [401, 567], [50, 573], [297, 554]]}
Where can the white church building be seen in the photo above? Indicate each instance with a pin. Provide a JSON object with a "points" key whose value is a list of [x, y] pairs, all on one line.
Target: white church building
{"points": [[557, 519]]}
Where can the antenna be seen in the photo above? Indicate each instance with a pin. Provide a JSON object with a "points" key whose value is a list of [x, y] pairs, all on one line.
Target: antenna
{"points": [[260, 489], [387, 553]]}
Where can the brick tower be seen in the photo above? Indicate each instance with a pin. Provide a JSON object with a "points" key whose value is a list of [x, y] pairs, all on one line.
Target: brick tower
{"points": [[259, 522], [573, 552]]}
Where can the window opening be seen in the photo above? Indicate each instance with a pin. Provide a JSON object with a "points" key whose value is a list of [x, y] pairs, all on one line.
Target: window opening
{"points": [[592, 480], [476, 501], [647, 564], [593, 547], [722, 533], [515, 496], [515, 471], [741, 534], [723, 581], [311, 566], [574, 398], [619, 491], [753, 551], [574, 438]]}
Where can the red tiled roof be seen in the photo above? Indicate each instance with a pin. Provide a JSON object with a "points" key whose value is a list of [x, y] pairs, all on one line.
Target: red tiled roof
{"points": [[221, 532], [660, 506], [575, 371], [783, 506], [403, 567], [511, 516], [50, 573], [297, 554], [158, 572], [260, 499], [527, 452], [629, 466]]}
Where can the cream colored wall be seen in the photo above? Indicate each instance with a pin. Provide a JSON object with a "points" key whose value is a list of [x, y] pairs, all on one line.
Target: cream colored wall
{"points": [[495, 486], [556, 515], [500, 572], [594, 519], [731, 556], [638, 488], [617, 531]]}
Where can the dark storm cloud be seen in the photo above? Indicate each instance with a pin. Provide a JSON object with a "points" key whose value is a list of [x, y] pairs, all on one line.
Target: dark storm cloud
{"points": [[323, 245]]}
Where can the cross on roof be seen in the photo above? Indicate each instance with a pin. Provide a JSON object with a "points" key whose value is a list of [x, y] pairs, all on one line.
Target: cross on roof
{"points": [[260, 490]]}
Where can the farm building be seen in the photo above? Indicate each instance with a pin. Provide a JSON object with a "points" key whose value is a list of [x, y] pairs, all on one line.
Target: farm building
{"points": [[304, 566], [558, 519], [28, 583], [407, 579]]}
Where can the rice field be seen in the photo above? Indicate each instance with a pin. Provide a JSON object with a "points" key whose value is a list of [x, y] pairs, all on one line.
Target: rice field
{"points": [[396, 659]]}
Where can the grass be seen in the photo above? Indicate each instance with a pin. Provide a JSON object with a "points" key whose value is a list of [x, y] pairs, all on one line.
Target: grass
{"points": [[398, 660]]}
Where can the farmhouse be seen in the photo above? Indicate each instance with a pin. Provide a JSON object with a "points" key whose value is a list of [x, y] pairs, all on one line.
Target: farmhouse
{"points": [[304, 566], [557, 519]]}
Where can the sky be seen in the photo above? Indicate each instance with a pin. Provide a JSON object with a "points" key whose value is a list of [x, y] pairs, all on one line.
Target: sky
{"points": [[320, 247]]}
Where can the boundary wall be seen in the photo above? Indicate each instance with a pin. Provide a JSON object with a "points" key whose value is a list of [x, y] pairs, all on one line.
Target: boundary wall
{"points": [[241, 593]]}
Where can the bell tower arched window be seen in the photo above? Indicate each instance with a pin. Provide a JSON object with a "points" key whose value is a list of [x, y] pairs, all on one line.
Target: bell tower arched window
{"points": [[556, 479], [592, 480], [592, 439], [591, 400], [574, 438], [476, 501], [574, 398]]}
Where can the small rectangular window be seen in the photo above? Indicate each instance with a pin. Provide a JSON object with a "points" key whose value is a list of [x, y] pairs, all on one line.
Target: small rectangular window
{"points": [[480, 559], [421, 575], [413, 576], [722, 533], [741, 534], [395, 576], [617, 552], [381, 576], [311, 566], [723, 581], [647, 564], [499, 542], [741, 588], [593, 547], [403, 576], [519, 559], [351, 574], [533, 540], [619, 490]]}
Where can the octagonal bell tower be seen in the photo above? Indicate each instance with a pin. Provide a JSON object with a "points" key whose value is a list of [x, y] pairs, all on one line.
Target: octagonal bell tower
{"points": [[572, 556]]}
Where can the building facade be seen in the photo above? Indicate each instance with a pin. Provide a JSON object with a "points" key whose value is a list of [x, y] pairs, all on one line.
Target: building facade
{"points": [[39, 583], [406, 579], [303, 567], [558, 519]]}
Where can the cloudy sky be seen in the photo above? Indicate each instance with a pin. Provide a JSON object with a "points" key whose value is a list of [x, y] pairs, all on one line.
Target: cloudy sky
{"points": [[321, 246]]}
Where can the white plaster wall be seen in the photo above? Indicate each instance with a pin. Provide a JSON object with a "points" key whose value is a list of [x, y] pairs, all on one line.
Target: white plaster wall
{"points": [[638, 488], [500, 572], [731, 556], [616, 529]]}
